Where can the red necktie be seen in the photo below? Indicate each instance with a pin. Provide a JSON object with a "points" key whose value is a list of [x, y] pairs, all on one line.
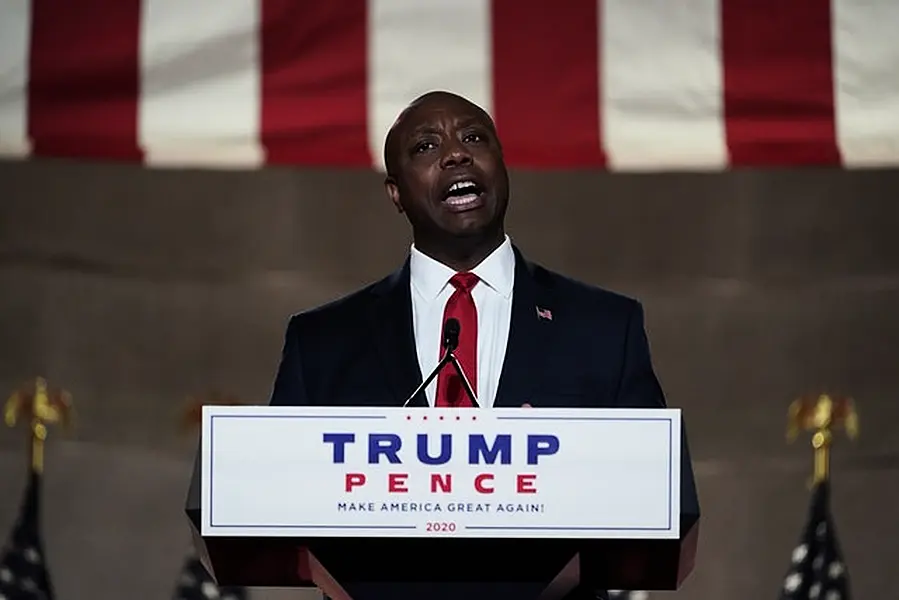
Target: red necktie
{"points": [[460, 305]]}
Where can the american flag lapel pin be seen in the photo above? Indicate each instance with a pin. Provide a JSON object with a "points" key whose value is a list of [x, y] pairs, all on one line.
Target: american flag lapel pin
{"points": [[544, 313]]}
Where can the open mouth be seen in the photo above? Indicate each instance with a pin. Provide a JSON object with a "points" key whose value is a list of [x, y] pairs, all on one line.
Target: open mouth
{"points": [[463, 194]]}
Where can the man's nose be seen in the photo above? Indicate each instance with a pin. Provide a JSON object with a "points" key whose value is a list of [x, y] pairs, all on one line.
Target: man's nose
{"points": [[455, 154]]}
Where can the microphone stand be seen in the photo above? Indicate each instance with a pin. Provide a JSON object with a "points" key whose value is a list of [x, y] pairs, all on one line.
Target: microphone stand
{"points": [[449, 357]]}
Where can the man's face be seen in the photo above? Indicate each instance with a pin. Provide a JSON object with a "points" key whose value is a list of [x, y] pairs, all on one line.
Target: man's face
{"points": [[449, 176]]}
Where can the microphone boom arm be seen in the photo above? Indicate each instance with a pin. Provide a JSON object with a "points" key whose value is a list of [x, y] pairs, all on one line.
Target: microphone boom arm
{"points": [[465, 383], [449, 357], [446, 358]]}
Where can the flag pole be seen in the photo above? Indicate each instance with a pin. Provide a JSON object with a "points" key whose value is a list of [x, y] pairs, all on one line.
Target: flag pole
{"points": [[817, 568], [821, 415], [41, 406], [24, 573]]}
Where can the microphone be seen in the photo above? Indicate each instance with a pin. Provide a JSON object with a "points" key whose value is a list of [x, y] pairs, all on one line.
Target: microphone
{"points": [[451, 334], [451, 331]]}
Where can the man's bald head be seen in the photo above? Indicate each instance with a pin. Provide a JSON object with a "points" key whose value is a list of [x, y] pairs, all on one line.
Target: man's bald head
{"points": [[391, 143], [438, 143]]}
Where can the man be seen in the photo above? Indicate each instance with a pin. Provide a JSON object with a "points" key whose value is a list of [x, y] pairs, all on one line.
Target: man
{"points": [[527, 336]]}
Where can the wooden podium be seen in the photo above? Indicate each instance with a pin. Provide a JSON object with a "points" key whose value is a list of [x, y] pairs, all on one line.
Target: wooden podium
{"points": [[401, 503]]}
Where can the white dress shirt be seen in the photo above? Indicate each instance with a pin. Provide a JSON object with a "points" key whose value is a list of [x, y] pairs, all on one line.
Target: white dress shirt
{"points": [[493, 300]]}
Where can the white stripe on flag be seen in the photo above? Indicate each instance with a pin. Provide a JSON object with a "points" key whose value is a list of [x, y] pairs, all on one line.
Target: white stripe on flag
{"points": [[661, 84], [416, 46], [15, 45], [200, 83], [866, 78]]}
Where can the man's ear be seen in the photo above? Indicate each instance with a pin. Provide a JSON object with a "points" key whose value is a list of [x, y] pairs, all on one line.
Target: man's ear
{"points": [[393, 192]]}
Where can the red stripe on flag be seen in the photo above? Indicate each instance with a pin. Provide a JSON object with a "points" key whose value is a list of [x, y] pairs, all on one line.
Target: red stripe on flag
{"points": [[778, 82], [84, 78], [314, 83], [546, 82]]}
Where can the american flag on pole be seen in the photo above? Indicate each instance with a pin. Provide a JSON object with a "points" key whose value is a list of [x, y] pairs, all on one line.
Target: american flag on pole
{"points": [[194, 583], [817, 570], [604, 84], [23, 568]]}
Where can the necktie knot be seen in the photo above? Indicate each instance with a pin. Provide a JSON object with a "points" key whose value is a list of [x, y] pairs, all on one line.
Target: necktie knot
{"points": [[464, 282]]}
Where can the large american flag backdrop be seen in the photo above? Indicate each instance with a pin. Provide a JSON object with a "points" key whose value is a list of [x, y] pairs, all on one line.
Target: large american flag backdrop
{"points": [[612, 84]]}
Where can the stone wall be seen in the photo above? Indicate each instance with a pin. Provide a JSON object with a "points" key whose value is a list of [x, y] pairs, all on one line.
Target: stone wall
{"points": [[134, 289]]}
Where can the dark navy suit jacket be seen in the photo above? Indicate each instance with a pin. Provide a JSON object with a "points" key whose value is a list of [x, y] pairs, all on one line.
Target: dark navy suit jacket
{"points": [[593, 352]]}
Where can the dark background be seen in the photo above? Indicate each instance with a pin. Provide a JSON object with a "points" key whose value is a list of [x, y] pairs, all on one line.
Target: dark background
{"points": [[134, 288]]}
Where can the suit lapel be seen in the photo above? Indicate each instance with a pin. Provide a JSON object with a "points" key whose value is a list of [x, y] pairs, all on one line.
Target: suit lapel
{"points": [[391, 322], [527, 334]]}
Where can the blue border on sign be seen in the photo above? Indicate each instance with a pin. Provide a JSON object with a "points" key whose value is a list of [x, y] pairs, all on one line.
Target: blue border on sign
{"points": [[213, 525]]}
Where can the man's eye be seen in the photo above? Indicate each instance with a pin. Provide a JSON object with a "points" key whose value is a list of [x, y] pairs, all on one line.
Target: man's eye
{"points": [[422, 146], [473, 138]]}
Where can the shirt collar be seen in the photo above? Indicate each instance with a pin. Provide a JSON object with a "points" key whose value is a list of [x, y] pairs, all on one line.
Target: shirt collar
{"points": [[497, 271]]}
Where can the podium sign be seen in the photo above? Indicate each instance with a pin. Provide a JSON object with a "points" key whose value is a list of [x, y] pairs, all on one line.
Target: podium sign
{"points": [[340, 472], [387, 502]]}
